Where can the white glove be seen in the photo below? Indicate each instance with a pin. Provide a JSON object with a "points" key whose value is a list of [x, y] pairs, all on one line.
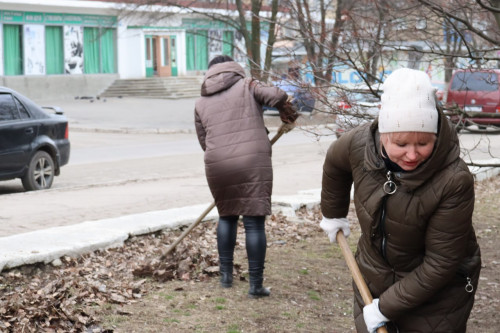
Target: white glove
{"points": [[373, 317], [332, 226]]}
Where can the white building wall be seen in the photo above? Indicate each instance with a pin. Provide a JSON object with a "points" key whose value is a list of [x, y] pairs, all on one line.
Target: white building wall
{"points": [[181, 53], [131, 53]]}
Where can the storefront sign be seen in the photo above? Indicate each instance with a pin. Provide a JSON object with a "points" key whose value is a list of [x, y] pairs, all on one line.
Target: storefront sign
{"points": [[57, 19]]}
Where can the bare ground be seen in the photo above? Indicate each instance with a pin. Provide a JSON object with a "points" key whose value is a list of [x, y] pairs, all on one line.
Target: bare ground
{"points": [[130, 290]]}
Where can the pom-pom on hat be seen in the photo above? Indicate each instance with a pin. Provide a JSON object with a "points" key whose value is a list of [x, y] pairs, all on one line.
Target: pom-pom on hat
{"points": [[408, 103]]}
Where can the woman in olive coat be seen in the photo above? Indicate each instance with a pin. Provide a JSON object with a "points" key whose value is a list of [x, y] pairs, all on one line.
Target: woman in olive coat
{"points": [[414, 199], [230, 127]]}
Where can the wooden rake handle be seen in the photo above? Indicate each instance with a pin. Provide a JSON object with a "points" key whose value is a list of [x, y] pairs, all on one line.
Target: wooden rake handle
{"points": [[356, 274], [188, 230], [284, 128]]}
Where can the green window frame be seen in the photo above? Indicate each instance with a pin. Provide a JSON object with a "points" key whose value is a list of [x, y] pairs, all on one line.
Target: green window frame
{"points": [[91, 64], [54, 50], [202, 50], [197, 50], [108, 51], [190, 51], [227, 43], [99, 50], [13, 49]]}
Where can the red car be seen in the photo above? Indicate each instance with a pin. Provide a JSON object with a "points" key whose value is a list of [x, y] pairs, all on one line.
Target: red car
{"points": [[475, 90]]}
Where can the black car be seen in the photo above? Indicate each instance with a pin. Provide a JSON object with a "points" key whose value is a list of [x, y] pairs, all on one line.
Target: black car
{"points": [[34, 143]]}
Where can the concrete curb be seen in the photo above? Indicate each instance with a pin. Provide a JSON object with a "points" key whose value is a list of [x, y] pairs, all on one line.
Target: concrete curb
{"points": [[50, 244], [76, 128], [187, 129], [482, 173]]}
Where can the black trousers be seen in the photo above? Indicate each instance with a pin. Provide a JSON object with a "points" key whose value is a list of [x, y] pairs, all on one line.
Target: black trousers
{"points": [[255, 241]]}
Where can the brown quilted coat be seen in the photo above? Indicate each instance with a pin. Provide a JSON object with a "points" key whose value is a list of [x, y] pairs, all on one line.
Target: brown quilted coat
{"points": [[431, 250], [231, 131]]}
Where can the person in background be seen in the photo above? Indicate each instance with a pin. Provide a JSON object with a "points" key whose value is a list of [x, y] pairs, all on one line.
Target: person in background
{"points": [[230, 127], [414, 199]]}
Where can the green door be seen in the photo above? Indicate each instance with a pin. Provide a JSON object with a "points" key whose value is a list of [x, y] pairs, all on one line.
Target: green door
{"points": [[173, 55], [149, 56]]}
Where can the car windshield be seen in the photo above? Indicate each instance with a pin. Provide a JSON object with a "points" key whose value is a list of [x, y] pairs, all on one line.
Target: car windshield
{"points": [[475, 81]]}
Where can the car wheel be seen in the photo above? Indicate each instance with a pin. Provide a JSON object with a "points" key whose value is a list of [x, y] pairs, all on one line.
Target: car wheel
{"points": [[40, 174]]}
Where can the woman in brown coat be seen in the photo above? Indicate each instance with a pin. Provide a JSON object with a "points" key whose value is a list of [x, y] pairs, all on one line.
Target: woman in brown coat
{"points": [[230, 127], [414, 198]]}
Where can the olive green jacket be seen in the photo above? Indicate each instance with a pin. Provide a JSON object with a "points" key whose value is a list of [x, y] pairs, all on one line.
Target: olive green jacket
{"points": [[417, 246]]}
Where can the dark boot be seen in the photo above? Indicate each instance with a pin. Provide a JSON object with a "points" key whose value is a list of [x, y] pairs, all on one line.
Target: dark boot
{"points": [[256, 251], [226, 241], [226, 276], [256, 289]]}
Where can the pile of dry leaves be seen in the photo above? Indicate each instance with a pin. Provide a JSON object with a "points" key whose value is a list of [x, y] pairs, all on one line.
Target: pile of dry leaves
{"points": [[67, 295]]}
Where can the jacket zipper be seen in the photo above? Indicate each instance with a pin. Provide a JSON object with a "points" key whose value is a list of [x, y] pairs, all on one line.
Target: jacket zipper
{"points": [[383, 246], [382, 230], [464, 274]]}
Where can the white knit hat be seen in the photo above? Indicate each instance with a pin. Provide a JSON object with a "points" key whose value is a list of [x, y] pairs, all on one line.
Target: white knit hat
{"points": [[408, 103]]}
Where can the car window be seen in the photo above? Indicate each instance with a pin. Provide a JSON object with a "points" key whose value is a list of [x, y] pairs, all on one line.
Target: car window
{"points": [[22, 110], [475, 81], [8, 108]]}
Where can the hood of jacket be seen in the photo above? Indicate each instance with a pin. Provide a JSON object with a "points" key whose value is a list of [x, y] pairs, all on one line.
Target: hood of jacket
{"points": [[446, 151], [221, 77]]}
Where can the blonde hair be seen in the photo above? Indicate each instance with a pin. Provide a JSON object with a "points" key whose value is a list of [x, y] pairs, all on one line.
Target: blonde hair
{"points": [[389, 136]]}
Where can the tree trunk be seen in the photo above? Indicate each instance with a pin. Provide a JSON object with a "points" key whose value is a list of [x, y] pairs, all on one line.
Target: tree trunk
{"points": [[255, 69], [496, 15], [270, 41]]}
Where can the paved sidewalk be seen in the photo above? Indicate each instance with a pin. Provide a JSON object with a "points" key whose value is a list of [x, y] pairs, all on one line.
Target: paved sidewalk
{"points": [[50, 244], [142, 115]]}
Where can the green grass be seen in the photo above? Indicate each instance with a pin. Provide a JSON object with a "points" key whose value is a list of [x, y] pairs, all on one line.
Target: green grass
{"points": [[233, 329], [114, 320], [304, 271], [220, 300], [313, 295], [170, 320], [166, 296]]}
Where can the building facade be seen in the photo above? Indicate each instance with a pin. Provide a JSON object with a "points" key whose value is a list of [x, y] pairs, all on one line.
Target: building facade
{"points": [[61, 48]]}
